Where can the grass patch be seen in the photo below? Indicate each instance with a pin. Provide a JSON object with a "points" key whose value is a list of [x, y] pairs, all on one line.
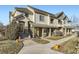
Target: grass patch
{"points": [[68, 47], [10, 47], [54, 37], [41, 41]]}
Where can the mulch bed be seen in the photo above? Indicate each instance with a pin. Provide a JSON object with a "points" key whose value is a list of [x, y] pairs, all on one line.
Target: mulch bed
{"points": [[67, 47], [10, 47], [40, 41]]}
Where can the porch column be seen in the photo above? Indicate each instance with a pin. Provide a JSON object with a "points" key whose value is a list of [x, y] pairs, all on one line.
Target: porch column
{"points": [[68, 31], [38, 31], [49, 32], [62, 30], [33, 32], [42, 32], [65, 33]]}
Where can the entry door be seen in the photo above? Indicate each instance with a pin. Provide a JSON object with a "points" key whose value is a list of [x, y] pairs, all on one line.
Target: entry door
{"points": [[21, 26]]}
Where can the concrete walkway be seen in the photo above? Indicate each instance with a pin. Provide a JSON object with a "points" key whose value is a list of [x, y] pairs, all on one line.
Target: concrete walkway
{"points": [[34, 48]]}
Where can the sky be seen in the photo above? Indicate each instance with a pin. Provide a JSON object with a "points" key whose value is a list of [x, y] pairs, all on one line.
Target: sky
{"points": [[72, 11]]}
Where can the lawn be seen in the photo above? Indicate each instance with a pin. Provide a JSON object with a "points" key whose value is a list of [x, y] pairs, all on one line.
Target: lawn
{"points": [[67, 47], [40, 41], [10, 47], [54, 37]]}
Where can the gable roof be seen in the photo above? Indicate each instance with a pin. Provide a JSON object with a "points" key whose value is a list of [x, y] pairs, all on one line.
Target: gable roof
{"points": [[61, 16], [24, 10], [41, 11], [64, 17]]}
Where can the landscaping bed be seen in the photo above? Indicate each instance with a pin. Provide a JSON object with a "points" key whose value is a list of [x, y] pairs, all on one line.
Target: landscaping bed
{"points": [[10, 47], [41, 41], [68, 47], [55, 37]]}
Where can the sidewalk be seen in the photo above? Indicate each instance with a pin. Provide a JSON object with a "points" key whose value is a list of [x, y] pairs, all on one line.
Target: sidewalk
{"points": [[36, 48]]}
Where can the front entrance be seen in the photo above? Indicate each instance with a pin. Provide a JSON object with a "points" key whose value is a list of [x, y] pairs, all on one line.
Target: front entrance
{"points": [[21, 29]]}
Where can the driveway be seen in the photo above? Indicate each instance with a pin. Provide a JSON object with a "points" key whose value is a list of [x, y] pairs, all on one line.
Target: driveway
{"points": [[31, 47]]}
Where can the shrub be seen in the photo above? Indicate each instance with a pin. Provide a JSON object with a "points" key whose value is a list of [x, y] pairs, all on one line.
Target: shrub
{"points": [[12, 31]]}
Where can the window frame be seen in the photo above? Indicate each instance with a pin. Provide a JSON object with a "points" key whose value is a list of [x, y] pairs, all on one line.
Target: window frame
{"points": [[41, 18], [51, 21], [59, 21]]}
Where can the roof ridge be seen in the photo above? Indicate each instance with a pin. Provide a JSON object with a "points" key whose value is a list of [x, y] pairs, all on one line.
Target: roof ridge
{"points": [[40, 10]]}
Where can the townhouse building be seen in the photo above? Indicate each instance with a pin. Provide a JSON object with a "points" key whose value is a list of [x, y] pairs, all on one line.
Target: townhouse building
{"points": [[39, 23]]}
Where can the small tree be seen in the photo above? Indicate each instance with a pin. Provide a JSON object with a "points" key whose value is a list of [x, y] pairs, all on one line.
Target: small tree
{"points": [[12, 30], [2, 28]]}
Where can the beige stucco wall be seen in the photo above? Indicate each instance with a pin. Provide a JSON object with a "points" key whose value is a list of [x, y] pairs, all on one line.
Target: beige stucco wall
{"points": [[31, 17], [55, 22], [16, 13], [25, 19], [37, 19]]}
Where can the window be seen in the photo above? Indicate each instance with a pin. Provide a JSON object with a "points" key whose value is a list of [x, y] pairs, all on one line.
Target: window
{"points": [[41, 18], [59, 22], [26, 15], [51, 21], [20, 17]]}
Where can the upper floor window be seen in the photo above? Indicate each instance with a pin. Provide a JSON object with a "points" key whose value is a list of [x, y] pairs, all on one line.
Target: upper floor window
{"points": [[41, 18], [59, 22], [19, 17], [26, 14], [51, 21]]}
